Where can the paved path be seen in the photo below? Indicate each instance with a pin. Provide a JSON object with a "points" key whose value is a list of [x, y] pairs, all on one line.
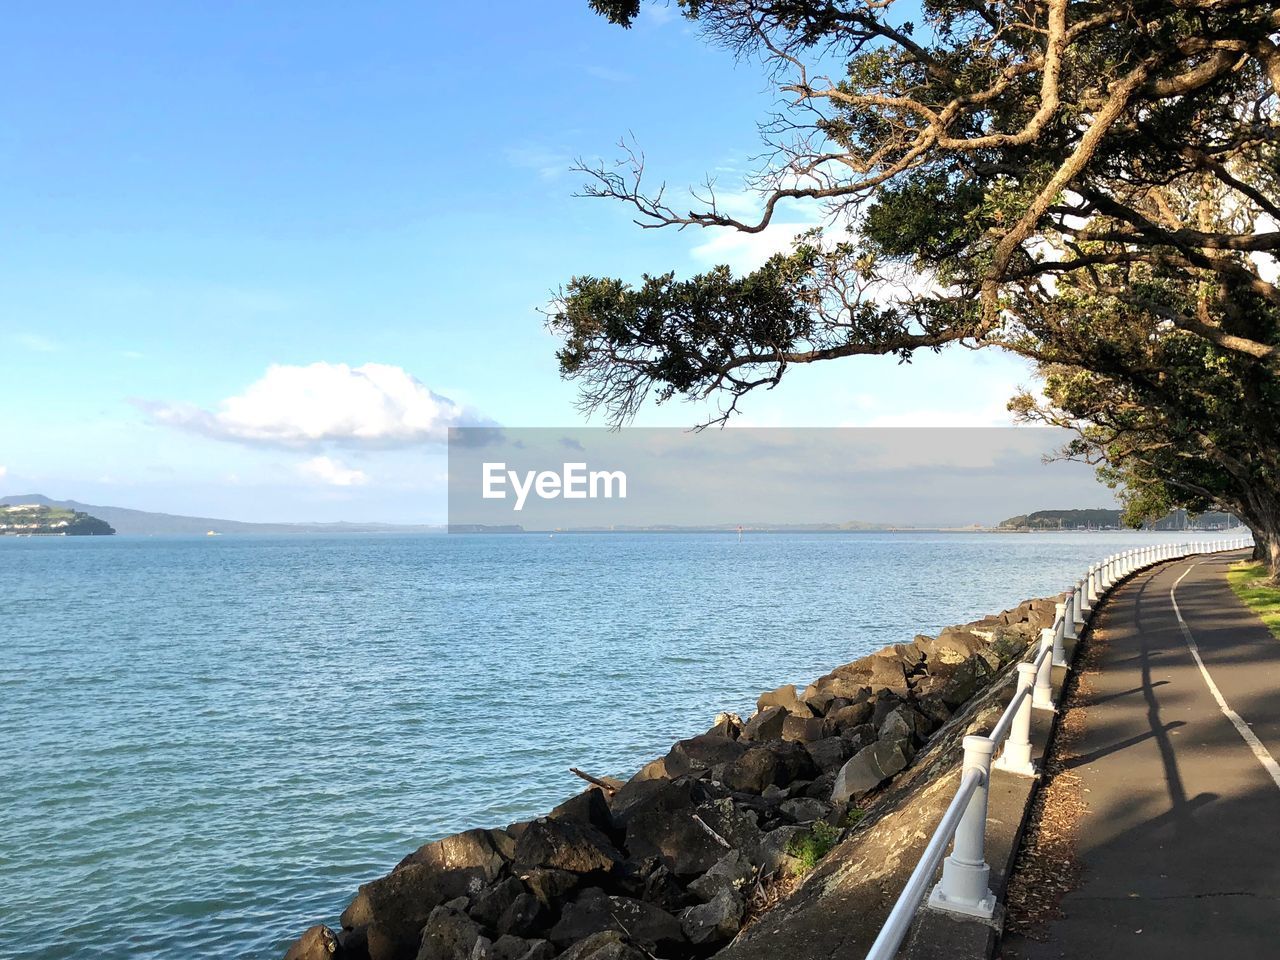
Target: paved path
{"points": [[1181, 842]]}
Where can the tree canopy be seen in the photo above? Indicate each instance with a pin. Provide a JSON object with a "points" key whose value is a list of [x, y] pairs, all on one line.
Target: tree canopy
{"points": [[1092, 186]]}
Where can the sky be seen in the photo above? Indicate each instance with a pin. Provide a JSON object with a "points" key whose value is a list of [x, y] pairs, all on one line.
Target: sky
{"points": [[255, 259]]}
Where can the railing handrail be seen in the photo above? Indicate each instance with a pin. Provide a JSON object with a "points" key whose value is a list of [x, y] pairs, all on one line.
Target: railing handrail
{"points": [[899, 920], [1003, 725], [1100, 579]]}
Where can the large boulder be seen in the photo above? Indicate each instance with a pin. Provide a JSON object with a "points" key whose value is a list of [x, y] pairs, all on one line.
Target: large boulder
{"points": [[471, 850], [904, 721], [715, 921], [952, 646], [606, 945], [518, 948], [549, 887], [688, 841], [766, 725], [802, 729], [317, 943], [870, 767], [523, 916], [733, 872], [448, 935], [590, 807], [785, 697], [829, 753], [396, 907], [565, 845], [649, 796], [841, 719], [755, 770], [594, 912], [967, 679], [490, 904], [702, 753]]}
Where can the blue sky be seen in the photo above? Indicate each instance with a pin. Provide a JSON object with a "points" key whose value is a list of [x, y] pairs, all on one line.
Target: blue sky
{"points": [[244, 245]]}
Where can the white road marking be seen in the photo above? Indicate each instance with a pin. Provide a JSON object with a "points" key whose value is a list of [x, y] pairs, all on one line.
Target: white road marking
{"points": [[1264, 756]]}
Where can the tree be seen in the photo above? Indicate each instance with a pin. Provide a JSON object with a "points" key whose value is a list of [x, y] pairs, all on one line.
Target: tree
{"points": [[1093, 186]]}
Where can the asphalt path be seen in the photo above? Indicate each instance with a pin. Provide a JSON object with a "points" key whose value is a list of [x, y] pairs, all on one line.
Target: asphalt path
{"points": [[1180, 844]]}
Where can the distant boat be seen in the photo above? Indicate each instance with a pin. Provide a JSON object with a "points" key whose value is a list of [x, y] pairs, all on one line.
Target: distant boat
{"points": [[212, 533]]}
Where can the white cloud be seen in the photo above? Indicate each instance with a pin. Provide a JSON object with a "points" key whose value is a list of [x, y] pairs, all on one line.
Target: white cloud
{"points": [[4, 472], [374, 405], [332, 472], [745, 252]]}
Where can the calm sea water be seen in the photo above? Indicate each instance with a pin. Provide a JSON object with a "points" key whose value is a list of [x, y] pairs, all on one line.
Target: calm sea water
{"points": [[209, 743]]}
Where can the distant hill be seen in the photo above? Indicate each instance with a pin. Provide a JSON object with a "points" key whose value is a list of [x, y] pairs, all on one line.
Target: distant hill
{"points": [[31, 519], [144, 523], [1101, 519]]}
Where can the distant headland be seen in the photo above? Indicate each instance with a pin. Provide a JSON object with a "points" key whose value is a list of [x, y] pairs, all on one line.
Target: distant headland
{"points": [[43, 520]]}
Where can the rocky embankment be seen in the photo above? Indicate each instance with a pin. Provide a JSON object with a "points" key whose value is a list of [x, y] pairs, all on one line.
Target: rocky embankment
{"points": [[678, 860]]}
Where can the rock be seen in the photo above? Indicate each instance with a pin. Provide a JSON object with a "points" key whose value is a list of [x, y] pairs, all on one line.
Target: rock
{"points": [[727, 725], [523, 916], [550, 886], [396, 907], [851, 686], [772, 856], [354, 943], [774, 793], [820, 789], [829, 753], [473, 850], [653, 770], [649, 796], [818, 699], [805, 809], [856, 738], [590, 807], [765, 725], [594, 912], [683, 843], [732, 872], [317, 943], [755, 770], [870, 767], [953, 645], [662, 889], [855, 714], [716, 921], [883, 705], [904, 721], [606, 945], [802, 729], [517, 948], [482, 949], [784, 697], [970, 677], [565, 845], [702, 753], [448, 935], [933, 707], [492, 902]]}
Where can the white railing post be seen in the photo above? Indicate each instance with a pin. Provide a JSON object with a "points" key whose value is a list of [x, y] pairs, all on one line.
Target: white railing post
{"points": [[964, 885], [1059, 635], [1042, 698], [1016, 755], [1069, 631], [1093, 592], [1080, 607]]}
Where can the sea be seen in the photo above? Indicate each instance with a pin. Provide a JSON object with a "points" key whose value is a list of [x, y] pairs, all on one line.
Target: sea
{"points": [[210, 743]]}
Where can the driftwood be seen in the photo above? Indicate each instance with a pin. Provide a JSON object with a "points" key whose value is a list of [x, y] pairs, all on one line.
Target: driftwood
{"points": [[609, 785]]}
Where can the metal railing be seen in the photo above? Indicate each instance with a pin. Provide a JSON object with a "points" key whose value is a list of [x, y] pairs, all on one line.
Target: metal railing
{"points": [[963, 888]]}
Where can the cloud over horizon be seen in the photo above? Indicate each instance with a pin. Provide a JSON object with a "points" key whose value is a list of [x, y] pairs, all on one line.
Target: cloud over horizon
{"points": [[375, 405], [332, 472]]}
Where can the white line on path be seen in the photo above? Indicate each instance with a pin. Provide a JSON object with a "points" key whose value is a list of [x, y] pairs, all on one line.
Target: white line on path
{"points": [[1264, 756]]}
